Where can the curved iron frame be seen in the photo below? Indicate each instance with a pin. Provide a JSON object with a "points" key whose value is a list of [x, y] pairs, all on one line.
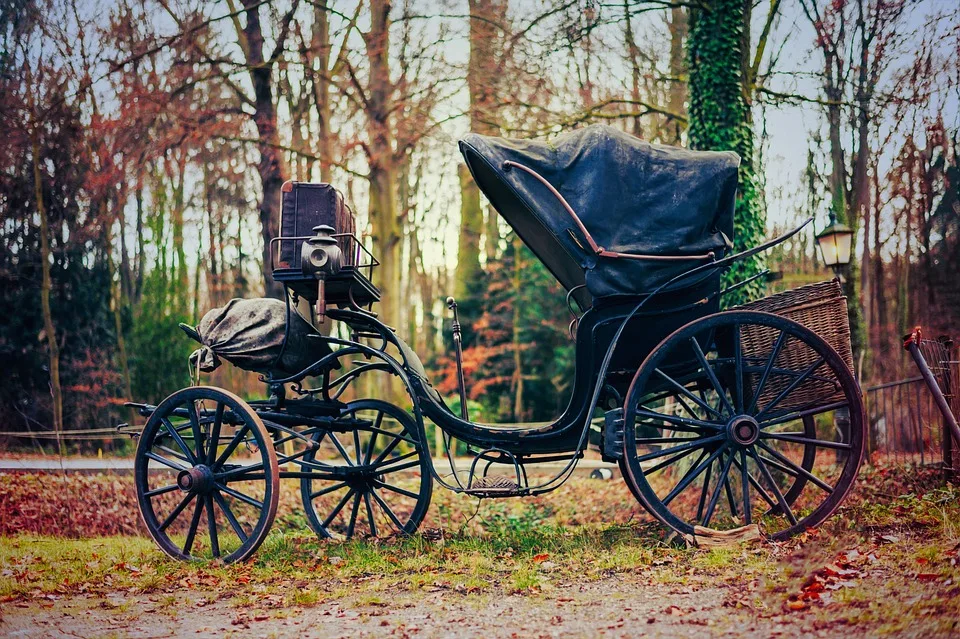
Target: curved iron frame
{"points": [[563, 440]]}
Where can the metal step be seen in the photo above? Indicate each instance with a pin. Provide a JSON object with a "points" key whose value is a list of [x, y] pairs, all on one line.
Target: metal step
{"points": [[495, 486]]}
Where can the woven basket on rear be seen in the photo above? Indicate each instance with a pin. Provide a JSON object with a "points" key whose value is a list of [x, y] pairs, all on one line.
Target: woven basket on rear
{"points": [[820, 307]]}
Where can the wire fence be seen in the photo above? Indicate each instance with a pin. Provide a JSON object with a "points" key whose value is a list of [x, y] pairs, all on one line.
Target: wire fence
{"points": [[904, 424]]}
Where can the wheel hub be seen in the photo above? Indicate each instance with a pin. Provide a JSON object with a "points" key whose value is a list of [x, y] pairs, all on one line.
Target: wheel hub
{"points": [[743, 430], [197, 480]]}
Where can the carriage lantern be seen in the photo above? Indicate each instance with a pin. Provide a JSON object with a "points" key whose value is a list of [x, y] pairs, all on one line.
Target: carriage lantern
{"points": [[835, 243], [320, 257]]}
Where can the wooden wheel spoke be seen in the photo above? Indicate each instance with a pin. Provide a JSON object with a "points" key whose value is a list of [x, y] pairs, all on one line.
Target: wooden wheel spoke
{"points": [[386, 451], [328, 490], [176, 511], [745, 488], [666, 440], [232, 446], [737, 369], [398, 467], [214, 442], [163, 460], [371, 444], [679, 456], [393, 517], [697, 443], [336, 510], [691, 474], [394, 460], [354, 512], [172, 453], [802, 377], [814, 408], [194, 524], [711, 375], [357, 448], [799, 438], [160, 491], [680, 400], [244, 471], [703, 491], [340, 449], [774, 354], [179, 439], [781, 500], [754, 482], [684, 422], [715, 497], [370, 517], [686, 393], [228, 513], [396, 489], [195, 429], [790, 468], [236, 494], [212, 524], [728, 489]]}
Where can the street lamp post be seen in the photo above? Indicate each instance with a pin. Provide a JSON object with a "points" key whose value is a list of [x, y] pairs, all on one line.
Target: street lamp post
{"points": [[836, 242]]}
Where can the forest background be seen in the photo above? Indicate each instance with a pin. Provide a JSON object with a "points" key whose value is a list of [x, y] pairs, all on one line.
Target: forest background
{"points": [[144, 143]]}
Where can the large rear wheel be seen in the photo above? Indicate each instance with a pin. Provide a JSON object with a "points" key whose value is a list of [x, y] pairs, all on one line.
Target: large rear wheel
{"points": [[743, 417]]}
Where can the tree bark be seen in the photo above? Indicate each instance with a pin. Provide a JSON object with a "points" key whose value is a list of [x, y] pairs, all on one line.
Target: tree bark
{"points": [[679, 28], [53, 349], [483, 84], [720, 120], [320, 50], [382, 174], [271, 166]]}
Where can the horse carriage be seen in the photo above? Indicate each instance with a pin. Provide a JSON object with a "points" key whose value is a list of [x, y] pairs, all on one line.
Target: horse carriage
{"points": [[718, 420]]}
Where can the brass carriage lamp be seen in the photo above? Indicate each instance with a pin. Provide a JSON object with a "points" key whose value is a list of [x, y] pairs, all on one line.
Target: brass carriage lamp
{"points": [[320, 257], [835, 243]]}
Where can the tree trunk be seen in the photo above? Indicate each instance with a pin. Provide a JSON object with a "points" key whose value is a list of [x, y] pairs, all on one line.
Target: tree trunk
{"points": [[483, 82], [320, 46], [386, 223], [720, 120], [271, 167], [679, 27], [49, 329]]}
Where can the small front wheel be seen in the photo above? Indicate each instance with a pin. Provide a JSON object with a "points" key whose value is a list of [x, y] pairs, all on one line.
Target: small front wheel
{"points": [[370, 474], [206, 475]]}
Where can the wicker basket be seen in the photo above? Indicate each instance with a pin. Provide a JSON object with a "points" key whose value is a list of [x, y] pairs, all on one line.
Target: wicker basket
{"points": [[820, 307]]}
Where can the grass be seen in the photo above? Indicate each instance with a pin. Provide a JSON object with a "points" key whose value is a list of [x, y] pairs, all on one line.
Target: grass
{"points": [[906, 534]]}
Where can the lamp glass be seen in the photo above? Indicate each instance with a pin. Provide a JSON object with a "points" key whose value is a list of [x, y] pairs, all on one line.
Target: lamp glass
{"points": [[829, 249], [835, 245]]}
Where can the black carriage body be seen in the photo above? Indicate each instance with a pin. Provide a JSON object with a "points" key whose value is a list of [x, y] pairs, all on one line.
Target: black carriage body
{"points": [[596, 331], [638, 235]]}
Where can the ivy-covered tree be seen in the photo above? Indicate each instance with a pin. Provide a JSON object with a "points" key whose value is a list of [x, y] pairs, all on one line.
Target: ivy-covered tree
{"points": [[720, 120]]}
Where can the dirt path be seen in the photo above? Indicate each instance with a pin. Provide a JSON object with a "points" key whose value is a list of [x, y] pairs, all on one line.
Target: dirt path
{"points": [[609, 608]]}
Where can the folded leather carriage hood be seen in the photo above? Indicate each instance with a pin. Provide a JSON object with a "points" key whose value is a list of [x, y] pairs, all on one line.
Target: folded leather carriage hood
{"points": [[632, 196]]}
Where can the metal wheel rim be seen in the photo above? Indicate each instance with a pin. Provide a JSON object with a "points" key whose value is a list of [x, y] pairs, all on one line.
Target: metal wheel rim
{"points": [[634, 473], [211, 510], [355, 503]]}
